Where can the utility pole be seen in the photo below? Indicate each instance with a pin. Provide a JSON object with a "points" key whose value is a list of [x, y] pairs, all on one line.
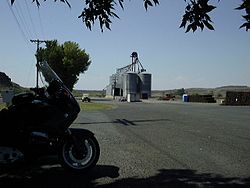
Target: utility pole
{"points": [[38, 42]]}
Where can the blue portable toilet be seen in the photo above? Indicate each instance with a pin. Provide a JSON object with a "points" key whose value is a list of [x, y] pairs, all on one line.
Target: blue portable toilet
{"points": [[185, 98]]}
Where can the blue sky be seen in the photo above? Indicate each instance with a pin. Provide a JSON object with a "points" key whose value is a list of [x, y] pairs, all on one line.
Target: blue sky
{"points": [[176, 59]]}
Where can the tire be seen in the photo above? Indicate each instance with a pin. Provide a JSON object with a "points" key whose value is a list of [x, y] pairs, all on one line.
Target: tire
{"points": [[80, 161]]}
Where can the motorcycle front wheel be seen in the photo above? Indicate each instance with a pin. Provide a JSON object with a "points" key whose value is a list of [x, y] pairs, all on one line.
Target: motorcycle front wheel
{"points": [[81, 157]]}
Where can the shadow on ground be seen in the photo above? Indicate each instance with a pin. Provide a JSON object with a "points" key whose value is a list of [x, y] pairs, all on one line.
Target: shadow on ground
{"points": [[180, 178], [52, 175], [125, 122]]}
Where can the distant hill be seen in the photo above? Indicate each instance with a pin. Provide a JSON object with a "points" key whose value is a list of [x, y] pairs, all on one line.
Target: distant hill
{"points": [[6, 83], [218, 92]]}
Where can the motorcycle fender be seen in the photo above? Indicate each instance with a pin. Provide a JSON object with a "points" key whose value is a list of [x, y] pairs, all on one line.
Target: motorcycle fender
{"points": [[81, 132]]}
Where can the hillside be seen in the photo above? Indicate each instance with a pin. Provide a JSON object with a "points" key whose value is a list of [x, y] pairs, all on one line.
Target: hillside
{"points": [[6, 83], [218, 92]]}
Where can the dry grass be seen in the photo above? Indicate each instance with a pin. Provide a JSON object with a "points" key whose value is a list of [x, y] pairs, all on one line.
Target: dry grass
{"points": [[2, 105], [95, 106]]}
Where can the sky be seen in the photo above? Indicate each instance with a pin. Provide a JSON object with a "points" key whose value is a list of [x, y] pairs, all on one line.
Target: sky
{"points": [[174, 58]]}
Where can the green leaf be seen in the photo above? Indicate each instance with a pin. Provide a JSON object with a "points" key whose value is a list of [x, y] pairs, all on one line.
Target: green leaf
{"points": [[147, 3], [121, 3], [37, 2], [188, 28], [67, 3], [240, 7], [183, 24], [156, 2], [107, 25], [88, 25], [243, 25], [114, 15], [201, 26], [194, 27], [208, 25], [246, 25], [210, 8]]}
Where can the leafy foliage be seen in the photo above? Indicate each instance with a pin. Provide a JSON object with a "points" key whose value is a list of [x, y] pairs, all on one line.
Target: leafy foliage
{"points": [[195, 16], [103, 10], [100, 10], [245, 5], [148, 3], [67, 60]]}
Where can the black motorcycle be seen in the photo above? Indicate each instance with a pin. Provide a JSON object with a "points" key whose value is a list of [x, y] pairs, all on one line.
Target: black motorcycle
{"points": [[37, 123]]}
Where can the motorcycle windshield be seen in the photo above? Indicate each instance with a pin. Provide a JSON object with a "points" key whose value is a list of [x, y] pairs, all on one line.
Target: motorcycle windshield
{"points": [[49, 75], [47, 72]]}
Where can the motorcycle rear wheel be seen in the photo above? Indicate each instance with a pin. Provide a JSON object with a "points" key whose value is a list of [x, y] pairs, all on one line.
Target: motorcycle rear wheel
{"points": [[80, 159]]}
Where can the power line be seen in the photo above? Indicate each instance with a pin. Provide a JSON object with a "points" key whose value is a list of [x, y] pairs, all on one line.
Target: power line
{"points": [[40, 22], [31, 20], [19, 26], [22, 19], [26, 25]]}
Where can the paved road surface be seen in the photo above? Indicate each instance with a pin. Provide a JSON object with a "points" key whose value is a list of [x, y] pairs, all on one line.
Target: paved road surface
{"points": [[158, 145]]}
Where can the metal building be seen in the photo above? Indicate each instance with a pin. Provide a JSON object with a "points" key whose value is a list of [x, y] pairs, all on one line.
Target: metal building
{"points": [[130, 82], [131, 86], [145, 85]]}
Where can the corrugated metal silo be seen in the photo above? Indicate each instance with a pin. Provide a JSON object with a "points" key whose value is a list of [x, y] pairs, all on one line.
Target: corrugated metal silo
{"points": [[119, 82], [130, 80], [146, 80], [109, 91], [131, 87], [112, 79]]}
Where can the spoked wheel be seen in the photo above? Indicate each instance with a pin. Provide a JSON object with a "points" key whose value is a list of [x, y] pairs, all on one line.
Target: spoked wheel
{"points": [[80, 157]]}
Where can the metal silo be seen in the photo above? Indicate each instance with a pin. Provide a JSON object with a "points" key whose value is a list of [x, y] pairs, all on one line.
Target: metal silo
{"points": [[146, 82], [112, 79], [109, 91], [131, 86], [131, 81], [119, 81]]}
